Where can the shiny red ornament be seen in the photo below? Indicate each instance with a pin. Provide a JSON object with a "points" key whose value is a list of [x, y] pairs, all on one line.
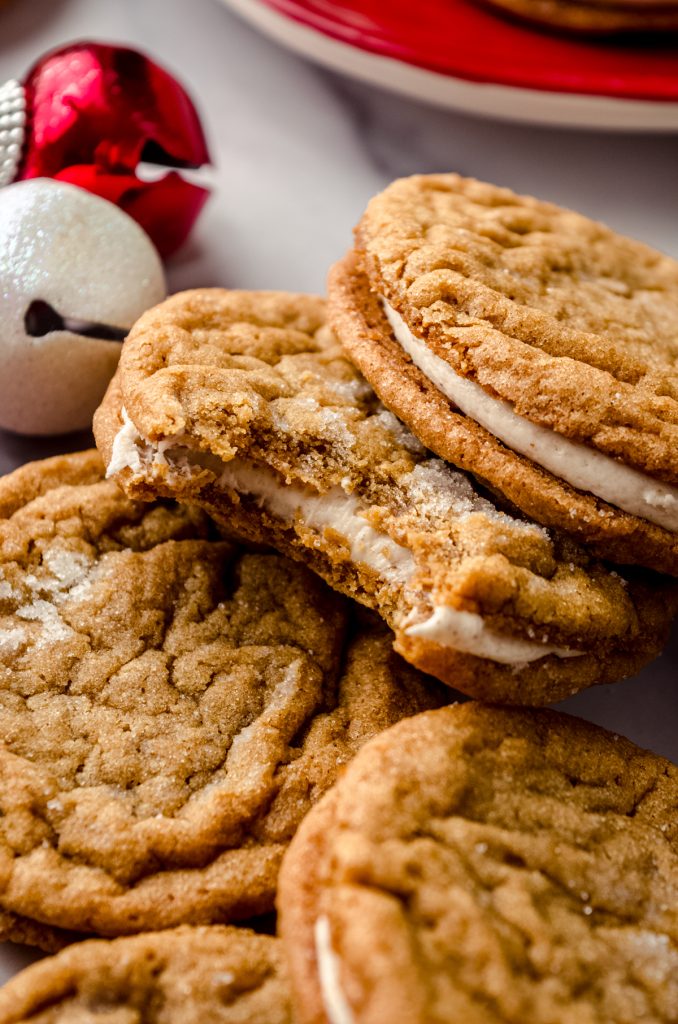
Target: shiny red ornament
{"points": [[94, 112]]}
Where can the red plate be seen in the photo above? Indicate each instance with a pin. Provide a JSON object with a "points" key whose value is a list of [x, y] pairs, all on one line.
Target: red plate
{"points": [[456, 38]]}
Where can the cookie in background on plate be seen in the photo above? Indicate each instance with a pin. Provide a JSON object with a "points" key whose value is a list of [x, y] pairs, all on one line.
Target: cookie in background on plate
{"points": [[170, 707], [528, 345], [487, 865], [242, 403], [594, 17], [186, 975]]}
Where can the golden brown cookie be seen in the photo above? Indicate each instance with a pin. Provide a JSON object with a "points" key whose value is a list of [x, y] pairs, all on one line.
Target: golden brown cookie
{"points": [[242, 402], [528, 345], [594, 17], [25, 932], [490, 866], [170, 707], [187, 975]]}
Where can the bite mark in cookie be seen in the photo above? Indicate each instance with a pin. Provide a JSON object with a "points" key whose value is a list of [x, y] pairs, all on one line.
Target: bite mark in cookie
{"points": [[341, 514]]}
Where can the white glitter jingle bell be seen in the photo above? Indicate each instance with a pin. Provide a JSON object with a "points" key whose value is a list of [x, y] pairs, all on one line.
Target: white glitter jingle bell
{"points": [[75, 274]]}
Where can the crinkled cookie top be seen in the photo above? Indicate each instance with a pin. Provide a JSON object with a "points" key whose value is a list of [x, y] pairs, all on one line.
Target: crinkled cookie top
{"points": [[208, 975], [169, 706], [573, 324], [486, 865]]}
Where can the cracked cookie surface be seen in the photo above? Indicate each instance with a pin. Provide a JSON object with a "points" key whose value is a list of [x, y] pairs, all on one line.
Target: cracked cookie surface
{"points": [[170, 707], [571, 323], [554, 320], [243, 403], [488, 865], [187, 975]]}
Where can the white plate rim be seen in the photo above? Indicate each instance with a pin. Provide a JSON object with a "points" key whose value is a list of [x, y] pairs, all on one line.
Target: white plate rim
{"points": [[485, 99]]}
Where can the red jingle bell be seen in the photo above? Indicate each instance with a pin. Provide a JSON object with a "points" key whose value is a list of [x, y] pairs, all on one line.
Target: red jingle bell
{"points": [[93, 113]]}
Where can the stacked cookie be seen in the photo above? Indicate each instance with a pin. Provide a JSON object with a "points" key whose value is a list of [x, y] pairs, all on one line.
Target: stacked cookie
{"points": [[528, 345], [213, 644]]}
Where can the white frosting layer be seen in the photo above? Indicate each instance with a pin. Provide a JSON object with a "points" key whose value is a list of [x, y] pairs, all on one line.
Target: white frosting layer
{"points": [[334, 1001], [581, 466], [467, 632], [334, 510], [340, 512], [125, 452]]}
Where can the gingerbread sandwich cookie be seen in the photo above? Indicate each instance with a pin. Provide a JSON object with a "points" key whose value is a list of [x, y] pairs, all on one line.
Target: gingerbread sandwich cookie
{"points": [[170, 708], [490, 866], [186, 975], [242, 403], [528, 345]]}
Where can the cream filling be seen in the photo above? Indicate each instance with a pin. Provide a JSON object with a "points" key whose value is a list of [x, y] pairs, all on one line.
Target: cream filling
{"points": [[466, 632], [581, 466], [336, 510], [334, 1001], [125, 452], [333, 510]]}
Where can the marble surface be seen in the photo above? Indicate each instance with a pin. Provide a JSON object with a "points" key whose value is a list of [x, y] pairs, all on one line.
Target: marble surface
{"points": [[297, 153]]}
